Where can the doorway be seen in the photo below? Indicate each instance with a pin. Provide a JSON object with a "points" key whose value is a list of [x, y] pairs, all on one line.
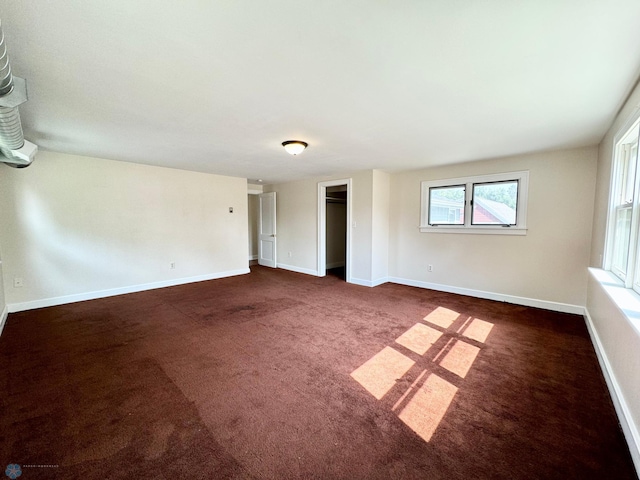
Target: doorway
{"points": [[334, 234], [254, 219]]}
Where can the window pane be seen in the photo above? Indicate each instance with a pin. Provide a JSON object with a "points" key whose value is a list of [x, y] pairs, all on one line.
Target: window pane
{"points": [[626, 154], [446, 205], [495, 203], [620, 251], [627, 180], [621, 237]]}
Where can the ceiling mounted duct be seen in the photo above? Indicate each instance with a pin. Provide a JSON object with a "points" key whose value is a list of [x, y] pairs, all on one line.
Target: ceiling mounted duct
{"points": [[15, 150]]}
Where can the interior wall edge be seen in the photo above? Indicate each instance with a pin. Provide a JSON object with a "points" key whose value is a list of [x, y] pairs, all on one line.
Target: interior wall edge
{"points": [[81, 297], [293, 268], [361, 282], [499, 297], [631, 434], [369, 283], [380, 281]]}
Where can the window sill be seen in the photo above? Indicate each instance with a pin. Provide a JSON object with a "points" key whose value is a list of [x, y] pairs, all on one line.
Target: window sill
{"points": [[626, 299], [476, 230]]}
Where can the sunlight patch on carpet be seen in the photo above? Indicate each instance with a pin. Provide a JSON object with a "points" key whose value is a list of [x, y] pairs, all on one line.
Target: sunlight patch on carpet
{"points": [[423, 405], [419, 338], [379, 374], [442, 317], [426, 409], [410, 391], [459, 359], [478, 330]]}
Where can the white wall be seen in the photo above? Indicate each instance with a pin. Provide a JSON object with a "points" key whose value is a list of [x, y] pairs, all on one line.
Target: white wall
{"points": [[74, 225], [549, 264], [380, 227], [254, 217], [362, 217], [620, 342], [297, 217]]}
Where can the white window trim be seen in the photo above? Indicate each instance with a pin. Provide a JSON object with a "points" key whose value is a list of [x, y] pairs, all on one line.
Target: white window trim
{"points": [[628, 278], [521, 213]]}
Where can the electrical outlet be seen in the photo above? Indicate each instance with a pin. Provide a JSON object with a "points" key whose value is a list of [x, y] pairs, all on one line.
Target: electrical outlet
{"points": [[172, 266], [18, 282], [429, 268], [290, 255]]}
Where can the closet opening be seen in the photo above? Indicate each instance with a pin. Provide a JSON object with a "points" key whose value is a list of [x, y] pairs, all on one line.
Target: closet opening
{"points": [[336, 231]]}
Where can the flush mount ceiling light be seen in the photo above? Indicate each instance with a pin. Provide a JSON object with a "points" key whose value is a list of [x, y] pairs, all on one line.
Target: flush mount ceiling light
{"points": [[294, 147]]}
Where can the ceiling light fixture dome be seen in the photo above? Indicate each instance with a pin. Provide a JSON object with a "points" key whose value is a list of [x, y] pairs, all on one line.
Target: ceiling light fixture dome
{"points": [[294, 147]]}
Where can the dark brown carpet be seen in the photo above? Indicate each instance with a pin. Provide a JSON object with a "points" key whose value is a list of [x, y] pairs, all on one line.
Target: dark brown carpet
{"points": [[281, 375]]}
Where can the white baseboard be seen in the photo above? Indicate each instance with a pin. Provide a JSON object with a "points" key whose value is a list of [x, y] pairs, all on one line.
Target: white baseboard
{"points": [[361, 282], [380, 281], [253, 257], [3, 317], [334, 265], [292, 268], [625, 418], [369, 283], [80, 297], [528, 302]]}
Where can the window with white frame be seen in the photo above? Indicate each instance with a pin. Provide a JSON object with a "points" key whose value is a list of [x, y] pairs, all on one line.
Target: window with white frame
{"points": [[489, 204], [621, 255]]}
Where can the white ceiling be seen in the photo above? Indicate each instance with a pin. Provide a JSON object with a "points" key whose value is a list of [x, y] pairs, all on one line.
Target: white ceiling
{"points": [[216, 86]]}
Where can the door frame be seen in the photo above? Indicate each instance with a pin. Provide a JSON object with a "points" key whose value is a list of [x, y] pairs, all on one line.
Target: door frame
{"points": [[322, 226]]}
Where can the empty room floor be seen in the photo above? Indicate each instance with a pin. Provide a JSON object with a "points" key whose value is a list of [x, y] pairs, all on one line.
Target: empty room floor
{"points": [[281, 375]]}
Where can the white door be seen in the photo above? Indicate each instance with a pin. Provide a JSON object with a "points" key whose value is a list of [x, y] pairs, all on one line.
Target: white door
{"points": [[267, 230]]}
